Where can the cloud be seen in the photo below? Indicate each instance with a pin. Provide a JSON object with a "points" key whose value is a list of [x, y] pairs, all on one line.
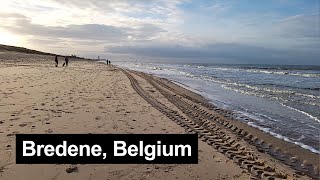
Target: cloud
{"points": [[11, 15], [298, 26], [151, 9], [242, 30], [237, 52], [22, 25], [218, 7]]}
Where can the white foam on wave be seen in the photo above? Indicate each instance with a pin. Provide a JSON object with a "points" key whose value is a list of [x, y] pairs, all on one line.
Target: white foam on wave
{"points": [[173, 71], [200, 67], [186, 87], [283, 73], [279, 136], [226, 85], [308, 95], [306, 75], [305, 113]]}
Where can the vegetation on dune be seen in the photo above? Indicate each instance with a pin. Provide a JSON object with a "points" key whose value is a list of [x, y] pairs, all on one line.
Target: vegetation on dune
{"points": [[30, 51]]}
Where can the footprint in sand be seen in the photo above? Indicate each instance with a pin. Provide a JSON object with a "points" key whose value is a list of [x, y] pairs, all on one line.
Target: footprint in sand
{"points": [[71, 169], [49, 131], [23, 124], [8, 147], [13, 133]]}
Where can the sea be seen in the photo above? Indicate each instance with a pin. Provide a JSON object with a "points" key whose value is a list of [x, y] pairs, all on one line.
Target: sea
{"points": [[282, 100]]}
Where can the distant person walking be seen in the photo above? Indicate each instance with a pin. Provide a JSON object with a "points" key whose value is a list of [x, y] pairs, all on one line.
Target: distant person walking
{"points": [[56, 60], [107, 61], [66, 61]]}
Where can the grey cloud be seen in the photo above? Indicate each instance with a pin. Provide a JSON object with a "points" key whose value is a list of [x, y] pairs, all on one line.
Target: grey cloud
{"points": [[97, 32], [238, 52], [146, 30], [299, 26], [11, 15], [47, 41], [157, 9], [107, 6], [86, 31]]}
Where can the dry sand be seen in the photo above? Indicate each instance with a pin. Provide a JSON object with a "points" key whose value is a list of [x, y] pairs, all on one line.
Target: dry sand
{"points": [[91, 97]]}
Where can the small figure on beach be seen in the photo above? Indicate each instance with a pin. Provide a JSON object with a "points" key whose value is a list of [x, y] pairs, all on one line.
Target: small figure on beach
{"points": [[107, 61], [66, 60], [56, 60]]}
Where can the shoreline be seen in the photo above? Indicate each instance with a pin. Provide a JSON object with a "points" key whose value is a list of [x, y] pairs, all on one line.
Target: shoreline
{"points": [[258, 119], [278, 136], [284, 151], [91, 97]]}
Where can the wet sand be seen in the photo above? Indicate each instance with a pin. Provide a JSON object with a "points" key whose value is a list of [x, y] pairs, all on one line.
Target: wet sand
{"points": [[91, 97]]}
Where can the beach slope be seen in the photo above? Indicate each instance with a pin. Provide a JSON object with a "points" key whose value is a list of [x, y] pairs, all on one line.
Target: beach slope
{"points": [[91, 97]]}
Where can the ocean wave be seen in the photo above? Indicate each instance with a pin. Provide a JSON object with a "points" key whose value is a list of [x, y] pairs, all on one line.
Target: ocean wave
{"points": [[262, 70], [308, 95], [305, 75], [156, 68], [255, 123], [260, 90], [282, 67], [277, 71], [279, 136], [255, 88], [201, 67], [258, 93], [309, 75], [300, 111], [287, 86]]}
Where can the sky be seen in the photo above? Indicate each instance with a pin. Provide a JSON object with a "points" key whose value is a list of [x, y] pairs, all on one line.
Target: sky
{"points": [[206, 31]]}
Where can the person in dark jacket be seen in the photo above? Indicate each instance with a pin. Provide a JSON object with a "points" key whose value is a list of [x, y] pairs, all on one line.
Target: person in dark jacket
{"points": [[66, 61], [56, 60]]}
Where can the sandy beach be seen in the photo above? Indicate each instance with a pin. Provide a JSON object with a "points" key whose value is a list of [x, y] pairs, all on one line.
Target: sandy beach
{"points": [[91, 97]]}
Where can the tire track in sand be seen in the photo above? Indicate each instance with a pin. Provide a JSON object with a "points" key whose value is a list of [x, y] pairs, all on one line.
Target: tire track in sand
{"points": [[209, 132], [201, 112]]}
